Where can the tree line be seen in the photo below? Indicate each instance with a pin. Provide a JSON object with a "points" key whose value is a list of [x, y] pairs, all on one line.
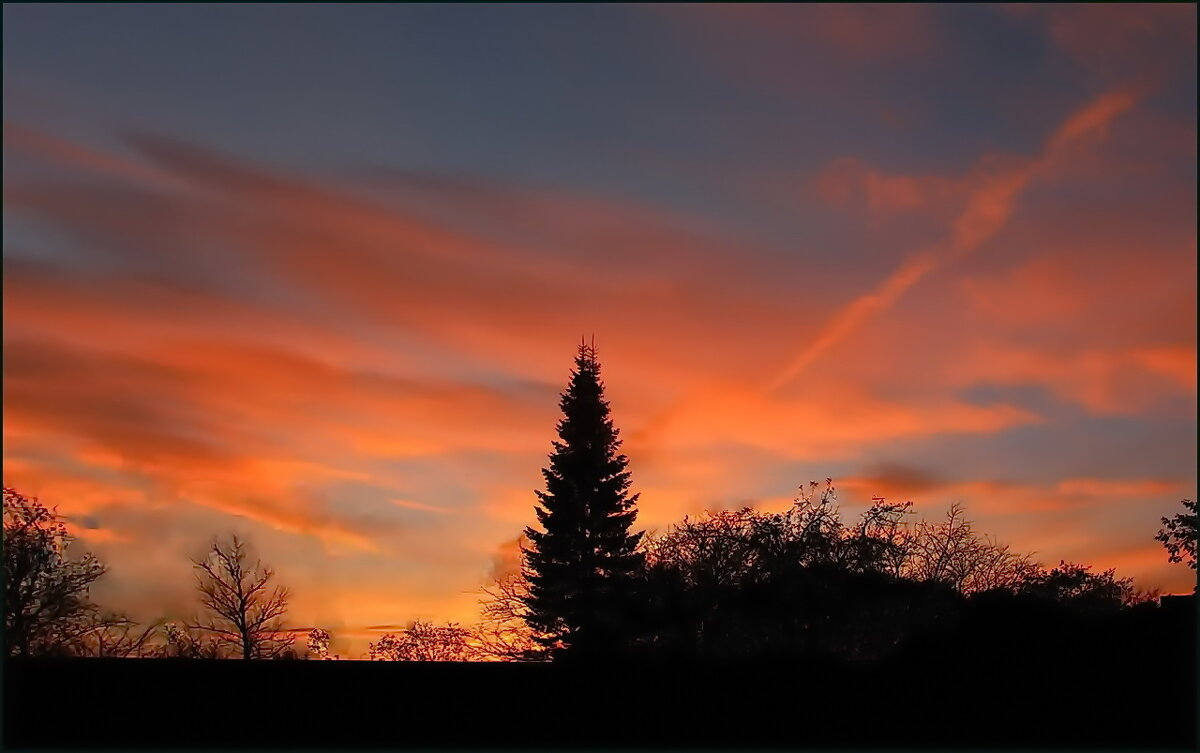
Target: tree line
{"points": [[743, 585], [725, 586]]}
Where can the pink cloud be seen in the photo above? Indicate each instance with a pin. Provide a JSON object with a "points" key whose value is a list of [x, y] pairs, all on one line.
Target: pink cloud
{"points": [[989, 204]]}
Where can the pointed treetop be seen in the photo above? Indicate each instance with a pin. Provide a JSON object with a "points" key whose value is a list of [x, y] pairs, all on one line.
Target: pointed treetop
{"points": [[588, 353]]}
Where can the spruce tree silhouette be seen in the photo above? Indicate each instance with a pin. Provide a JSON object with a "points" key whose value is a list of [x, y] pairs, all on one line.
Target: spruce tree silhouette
{"points": [[581, 566]]}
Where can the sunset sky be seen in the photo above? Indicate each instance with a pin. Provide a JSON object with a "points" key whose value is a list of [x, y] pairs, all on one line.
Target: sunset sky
{"points": [[316, 274]]}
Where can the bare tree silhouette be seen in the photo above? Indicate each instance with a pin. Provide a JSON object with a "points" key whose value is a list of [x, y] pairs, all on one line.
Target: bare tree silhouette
{"points": [[244, 611], [117, 636], [504, 632], [951, 552]]}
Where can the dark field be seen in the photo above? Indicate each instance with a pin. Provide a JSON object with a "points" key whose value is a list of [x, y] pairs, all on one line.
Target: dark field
{"points": [[1130, 685]]}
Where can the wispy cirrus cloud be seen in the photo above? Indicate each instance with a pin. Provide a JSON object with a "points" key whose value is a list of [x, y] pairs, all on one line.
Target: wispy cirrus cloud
{"points": [[990, 196]]}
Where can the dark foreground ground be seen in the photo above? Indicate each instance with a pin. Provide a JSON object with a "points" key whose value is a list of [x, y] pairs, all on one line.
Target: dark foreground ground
{"points": [[1131, 688]]}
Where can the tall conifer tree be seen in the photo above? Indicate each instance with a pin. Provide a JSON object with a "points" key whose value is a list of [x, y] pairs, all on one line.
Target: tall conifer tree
{"points": [[580, 566]]}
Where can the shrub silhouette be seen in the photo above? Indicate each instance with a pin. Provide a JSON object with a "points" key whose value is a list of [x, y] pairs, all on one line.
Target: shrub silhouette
{"points": [[1075, 586]]}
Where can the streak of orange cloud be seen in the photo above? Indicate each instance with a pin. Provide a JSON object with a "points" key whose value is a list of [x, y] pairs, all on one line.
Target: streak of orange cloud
{"points": [[1110, 381], [1177, 362], [884, 195], [1010, 497], [418, 506], [854, 314], [1093, 118], [1120, 487], [285, 518], [243, 474], [402, 272], [987, 209], [1137, 562], [72, 155]]}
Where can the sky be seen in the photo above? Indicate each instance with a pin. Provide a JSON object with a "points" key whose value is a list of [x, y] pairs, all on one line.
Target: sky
{"points": [[315, 274]]}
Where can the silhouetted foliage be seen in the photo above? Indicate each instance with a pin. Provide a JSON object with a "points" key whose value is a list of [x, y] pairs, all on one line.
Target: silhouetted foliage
{"points": [[740, 584], [580, 568], [318, 644], [734, 585], [46, 604], [243, 611], [951, 552], [424, 641], [1179, 535], [1075, 586]]}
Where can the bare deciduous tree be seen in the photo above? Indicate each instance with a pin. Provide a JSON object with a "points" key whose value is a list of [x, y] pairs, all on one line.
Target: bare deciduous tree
{"points": [[118, 636], [504, 633], [244, 611], [951, 552]]}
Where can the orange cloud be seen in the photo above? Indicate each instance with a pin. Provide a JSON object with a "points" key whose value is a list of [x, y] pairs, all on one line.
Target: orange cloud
{"points": [[176, 416], [1176, 362], [847, 181], [72, 155], [397, 271], [858, 311], [1092, 119], [1055, 322], [419, 506], [988, 207], [1119, 487]]}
